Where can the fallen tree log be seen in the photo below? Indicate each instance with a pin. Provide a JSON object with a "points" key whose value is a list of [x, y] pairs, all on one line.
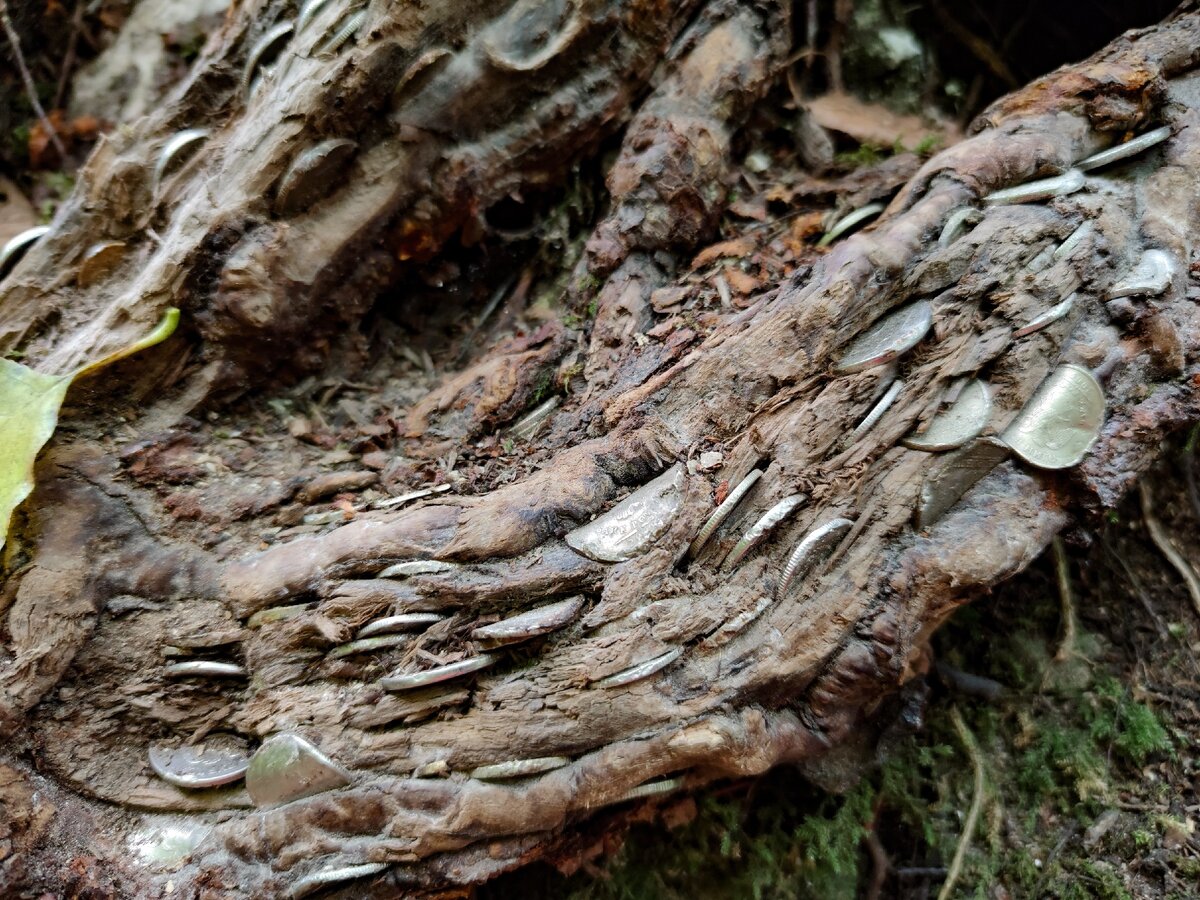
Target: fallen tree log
{"points": [[142, 615]]}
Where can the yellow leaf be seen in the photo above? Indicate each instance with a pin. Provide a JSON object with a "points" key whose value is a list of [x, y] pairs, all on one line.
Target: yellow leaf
{"points": [[29, 404]]}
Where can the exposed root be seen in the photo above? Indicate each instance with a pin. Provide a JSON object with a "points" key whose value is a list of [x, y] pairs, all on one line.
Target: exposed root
{"points": [[1163, 542], [977, 793]]}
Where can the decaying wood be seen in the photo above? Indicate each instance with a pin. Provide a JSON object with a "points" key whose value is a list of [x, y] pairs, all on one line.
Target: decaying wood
{"points": [[448, 120]]}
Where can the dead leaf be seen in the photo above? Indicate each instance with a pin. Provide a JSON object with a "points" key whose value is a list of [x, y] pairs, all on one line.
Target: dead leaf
{"points": [[736, 248], [870, 123]]}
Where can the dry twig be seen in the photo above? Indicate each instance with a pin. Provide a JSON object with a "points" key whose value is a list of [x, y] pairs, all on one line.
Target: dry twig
{"points": [[14, 41], [1162, 541], [964, 843]]}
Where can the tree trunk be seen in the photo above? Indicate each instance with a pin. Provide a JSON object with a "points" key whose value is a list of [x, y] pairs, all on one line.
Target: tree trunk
{"points": [[154, 536]]}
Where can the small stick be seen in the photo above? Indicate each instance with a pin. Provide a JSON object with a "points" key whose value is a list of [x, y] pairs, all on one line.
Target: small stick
{"points": [[1062, 571], [64, 76], [1162, 541], [964, 842], [30, 88]]}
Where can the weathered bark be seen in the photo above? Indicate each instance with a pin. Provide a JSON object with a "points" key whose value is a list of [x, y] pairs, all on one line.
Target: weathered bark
{"points": [[109, 580]]}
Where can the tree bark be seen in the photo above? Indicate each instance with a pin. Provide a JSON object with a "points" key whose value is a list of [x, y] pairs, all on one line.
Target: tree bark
{"points": [[142, 545]]}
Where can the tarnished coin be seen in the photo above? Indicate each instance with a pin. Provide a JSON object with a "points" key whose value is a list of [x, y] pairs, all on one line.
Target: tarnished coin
{"points": [[439, 674], [317, 881], [313, 174], [519, 768], [1124, 151], [308, 12], [962, 422], [342, 32], [630, 527], [369, 644], [814, 547], [181, 145], [1150, 277], [204, 668], [99, 260], [287, 767], [650, 789], [1043, 189], [404, 622], [220, 760], [959, 223], [1049, 317], [894, 334], [953, 475], [1061, 421], [641, 670], [16, 246], [531, 624], [850, 221], [417, 567], [1074, 239], [531, 423], [721, 513], [769, 521], [278, 614]]}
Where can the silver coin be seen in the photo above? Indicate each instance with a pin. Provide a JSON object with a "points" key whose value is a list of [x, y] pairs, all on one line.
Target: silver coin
{"points": [[850, 221], [417, 567], [264, 49], [737, 624], [630, 527], [1049, 317], [389, 502], [814, 547], [439, 674], [952, 475], [287, 767], [531, 423], [1043, 189], [310, 884], [641, 670], [894, 334], [959, 223], [278, 614], [767, 523], [871, 419], [181, 144], [721, 513], [1061, 421], [1150, 277], [963, 421], [650, 789], [1074, 239], [220, 760], [312, 175], [519, 768], [403, 622], [204, 668], [368, 644], [308, 12], [344, 31], [16, 246], [531, 624], [1042, 260], [1125, 150]]}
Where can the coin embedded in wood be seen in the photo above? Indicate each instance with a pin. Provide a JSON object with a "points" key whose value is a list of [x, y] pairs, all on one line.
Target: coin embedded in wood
{"points": [[894, 334], [953, 475], [438, 674], [630, 527], [1061, 421], [519, 768], [99, 260], [962, 422], [310, 884], [1124, 151], [220, 760], [395, 624], [1049, 317], [16, 246], [287, 767], [871, 419], [1150, 277], [368, 644], [204, 668], [531, 624], [764, 526], [846, 223], [721, 513], [1042, 189], [815, 545], [313, 174], [180, 145], [641, 670]]}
